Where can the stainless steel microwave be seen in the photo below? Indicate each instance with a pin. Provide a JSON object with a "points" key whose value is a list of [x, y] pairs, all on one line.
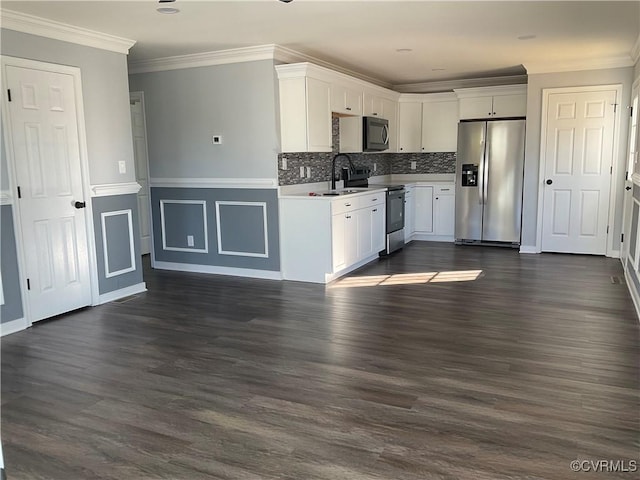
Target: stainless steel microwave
{"points": [[375, 134]]}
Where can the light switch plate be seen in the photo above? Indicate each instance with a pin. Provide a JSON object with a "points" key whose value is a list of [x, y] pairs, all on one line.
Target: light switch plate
{"points": [[122, 167], [284, 163], [413, 165]]}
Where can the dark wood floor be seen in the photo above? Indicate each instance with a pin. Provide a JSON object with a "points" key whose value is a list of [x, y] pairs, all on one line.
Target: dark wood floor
{"points": [[509, 376]]}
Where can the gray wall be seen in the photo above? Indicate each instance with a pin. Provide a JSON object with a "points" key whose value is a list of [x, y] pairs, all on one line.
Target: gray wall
{"points": [[117, 244], [242, 227], [185, 108], [12, 308], [106, 99], [536, 83]]}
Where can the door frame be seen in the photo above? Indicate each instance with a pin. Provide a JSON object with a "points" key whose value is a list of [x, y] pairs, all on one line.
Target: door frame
{"points": [[631, 180], [75, 73], [139, 96], [613, 189]]}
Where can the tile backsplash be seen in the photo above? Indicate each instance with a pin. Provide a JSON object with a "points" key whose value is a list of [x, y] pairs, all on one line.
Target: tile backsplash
{"points": [[385, 163]]}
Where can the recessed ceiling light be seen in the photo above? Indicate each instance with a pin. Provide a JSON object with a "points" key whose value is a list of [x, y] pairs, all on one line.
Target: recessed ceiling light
{"points": [[404, 50], [167, 10], [526, 37]]}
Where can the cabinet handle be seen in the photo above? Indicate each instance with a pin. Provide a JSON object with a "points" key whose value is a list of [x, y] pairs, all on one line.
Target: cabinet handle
{"points": [[375, 210], [347, 204], [436, 198], [444, 189], [349, 108], [375, 114], [347, 216], [374, 200]]}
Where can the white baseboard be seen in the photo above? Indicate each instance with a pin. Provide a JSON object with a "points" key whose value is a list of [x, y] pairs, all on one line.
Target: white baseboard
{"points": [[12, 327], [635, 295], [217, 270], [528, 249], [614, 254], [330, 277], [121, 293]]}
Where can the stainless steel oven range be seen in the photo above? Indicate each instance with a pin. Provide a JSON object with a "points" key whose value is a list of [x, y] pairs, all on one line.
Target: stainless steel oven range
{"points": [[395, 218]]}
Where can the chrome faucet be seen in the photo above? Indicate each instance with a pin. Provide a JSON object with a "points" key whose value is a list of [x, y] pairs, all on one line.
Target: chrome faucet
{"points": [[333, 168]]}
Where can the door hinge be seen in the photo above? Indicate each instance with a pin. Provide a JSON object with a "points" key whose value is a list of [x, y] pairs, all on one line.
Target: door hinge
{"points": [[622, 238], [9, 94], [28, 284], [19, 193], [610, 170], [631, 110], [615, 107], [607, 228]]}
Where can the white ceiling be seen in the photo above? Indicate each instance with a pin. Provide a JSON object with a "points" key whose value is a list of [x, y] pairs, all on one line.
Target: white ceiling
{"points": [[449, 40]]}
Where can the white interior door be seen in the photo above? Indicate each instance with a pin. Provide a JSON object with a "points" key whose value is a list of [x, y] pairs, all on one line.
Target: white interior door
{"points": [[578, 153], [46, 152], [632, 160], [142, 170]]}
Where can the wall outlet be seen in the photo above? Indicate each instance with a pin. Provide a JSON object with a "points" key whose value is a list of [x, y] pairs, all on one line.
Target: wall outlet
{"points": [[284, 163], [190, 241], [413, 165], [375, 167], [122, 167], [308, 172], [216, 139], [301, 172]]}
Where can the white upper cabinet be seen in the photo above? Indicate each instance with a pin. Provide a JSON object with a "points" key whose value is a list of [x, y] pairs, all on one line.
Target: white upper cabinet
{"points": [[373, 105], [409, 127], [346, 99], [440, 123], [305, 112], [493, 102]]}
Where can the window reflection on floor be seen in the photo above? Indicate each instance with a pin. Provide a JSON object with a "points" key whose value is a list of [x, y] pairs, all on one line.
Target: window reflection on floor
{"points": [[407, 279]]}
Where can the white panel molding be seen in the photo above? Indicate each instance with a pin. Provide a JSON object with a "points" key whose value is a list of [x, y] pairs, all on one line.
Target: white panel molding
{"points": [[578, 66], [529, 249], [112, 189], [217, 270], [121, 293], [214, 182], [635, 295], [202, 203], [1, 291], [13, 326], [221, 250], [105, 246], [42, 27], [5, 197]]}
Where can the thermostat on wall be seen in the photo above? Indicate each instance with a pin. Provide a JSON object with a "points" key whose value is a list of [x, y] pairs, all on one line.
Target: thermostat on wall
{"points": [[217, 139]]}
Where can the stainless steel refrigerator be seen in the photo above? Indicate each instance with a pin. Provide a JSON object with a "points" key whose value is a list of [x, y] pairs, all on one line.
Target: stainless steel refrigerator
{"points": [[489, 173]]}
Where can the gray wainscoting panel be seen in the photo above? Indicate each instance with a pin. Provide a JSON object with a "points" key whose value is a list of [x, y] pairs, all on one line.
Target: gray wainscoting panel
{"points": [[12, 308], [116, 238], [181, 219], [241, 229], [241, 225]]}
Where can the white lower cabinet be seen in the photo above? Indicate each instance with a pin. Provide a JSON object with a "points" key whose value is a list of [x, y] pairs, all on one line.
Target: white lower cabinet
{"points": [[434, 212], [323, 238], [409, 213]]}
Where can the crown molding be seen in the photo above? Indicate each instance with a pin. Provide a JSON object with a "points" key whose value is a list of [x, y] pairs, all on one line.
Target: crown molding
{"points": [[635, 51], [274, 52], [577, 66], [42, 27], [451, 85], [205, 59], [492, 91]]}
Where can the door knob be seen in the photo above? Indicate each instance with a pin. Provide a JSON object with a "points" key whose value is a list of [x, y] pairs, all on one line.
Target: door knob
{"points": [[627, 188], [549, 181], [80, 204]]}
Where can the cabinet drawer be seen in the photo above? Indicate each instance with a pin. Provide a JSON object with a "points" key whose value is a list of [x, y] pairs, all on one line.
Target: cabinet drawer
{"points": [[373, 199], [345, 205], [445, 190]]}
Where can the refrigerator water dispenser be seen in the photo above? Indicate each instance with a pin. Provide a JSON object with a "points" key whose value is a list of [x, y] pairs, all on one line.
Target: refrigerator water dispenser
{"points": [[469, 175]]}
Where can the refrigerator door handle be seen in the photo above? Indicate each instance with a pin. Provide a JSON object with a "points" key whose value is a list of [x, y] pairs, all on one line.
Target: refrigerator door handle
{"points": [[485, 172], [481, 174]]}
